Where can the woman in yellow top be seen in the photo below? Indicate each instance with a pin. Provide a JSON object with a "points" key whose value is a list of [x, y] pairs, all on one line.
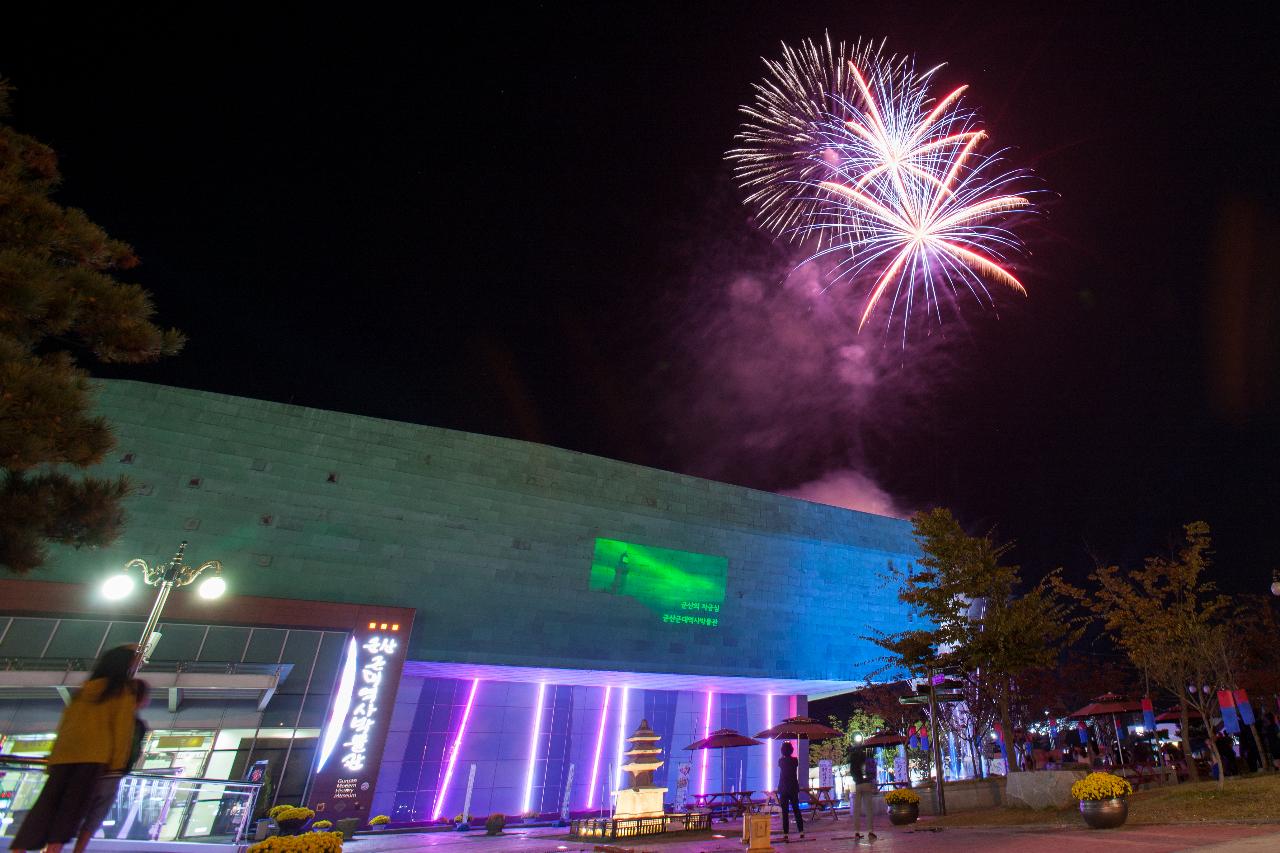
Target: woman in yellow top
{"points": [[94, 736]]}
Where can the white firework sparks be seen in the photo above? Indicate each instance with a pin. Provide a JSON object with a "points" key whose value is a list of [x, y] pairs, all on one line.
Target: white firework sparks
{"points": [[847, 149]]}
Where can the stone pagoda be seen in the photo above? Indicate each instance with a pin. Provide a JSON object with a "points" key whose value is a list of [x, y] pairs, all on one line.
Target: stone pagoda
{"points": [[641, 799]]}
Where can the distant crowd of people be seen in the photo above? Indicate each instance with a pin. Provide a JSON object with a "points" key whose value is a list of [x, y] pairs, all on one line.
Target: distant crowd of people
{"points": [[99, 741], [1249, 758], [1240, 753]]}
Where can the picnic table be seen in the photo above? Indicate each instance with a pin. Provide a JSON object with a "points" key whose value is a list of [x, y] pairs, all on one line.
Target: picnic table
{"points": [[820, 799], [731, 803], [1144, 775]]}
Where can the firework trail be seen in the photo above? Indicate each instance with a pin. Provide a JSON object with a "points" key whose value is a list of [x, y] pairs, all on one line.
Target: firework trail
{"points": [[848, 151]]}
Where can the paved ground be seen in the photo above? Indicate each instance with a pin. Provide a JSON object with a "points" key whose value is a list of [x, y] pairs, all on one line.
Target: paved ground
{"points": [[830, 838]]}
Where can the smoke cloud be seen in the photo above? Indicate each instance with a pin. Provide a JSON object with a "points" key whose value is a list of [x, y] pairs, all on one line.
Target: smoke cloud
{"points": [[848, 489], [768, 383]]}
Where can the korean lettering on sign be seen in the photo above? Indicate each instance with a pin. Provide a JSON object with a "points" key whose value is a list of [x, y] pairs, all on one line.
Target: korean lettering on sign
{"points": [[365, 714]]}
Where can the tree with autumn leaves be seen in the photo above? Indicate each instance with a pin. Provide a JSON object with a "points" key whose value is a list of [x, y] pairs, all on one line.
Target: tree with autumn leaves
{"points": [[1174, 626], [59, 301], [982, 625]]}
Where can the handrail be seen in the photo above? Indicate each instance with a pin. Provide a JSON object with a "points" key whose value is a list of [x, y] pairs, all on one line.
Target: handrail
{"points": [[68, 665], [44, 762], [195, 779]]}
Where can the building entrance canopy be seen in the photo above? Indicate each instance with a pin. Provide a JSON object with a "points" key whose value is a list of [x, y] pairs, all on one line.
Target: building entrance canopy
{"points": [[34, 678], [635, 680]]}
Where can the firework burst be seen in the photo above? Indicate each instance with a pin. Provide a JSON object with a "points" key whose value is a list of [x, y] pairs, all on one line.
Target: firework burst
{"points": [[848, 151]]}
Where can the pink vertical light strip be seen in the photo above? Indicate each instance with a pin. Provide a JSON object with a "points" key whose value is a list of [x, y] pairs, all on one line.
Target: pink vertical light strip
{"points": [[622, 739], [595, 765], [768, 744], [453, 754], [533, 748], [706, 732]]}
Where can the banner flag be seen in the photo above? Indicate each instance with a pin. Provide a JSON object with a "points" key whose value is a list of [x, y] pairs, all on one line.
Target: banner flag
{"points": [[1246, 710], [1230, 722]]}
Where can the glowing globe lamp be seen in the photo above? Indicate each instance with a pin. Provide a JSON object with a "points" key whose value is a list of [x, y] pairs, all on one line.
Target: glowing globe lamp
{"points": [[117, 586], [212, 587]]}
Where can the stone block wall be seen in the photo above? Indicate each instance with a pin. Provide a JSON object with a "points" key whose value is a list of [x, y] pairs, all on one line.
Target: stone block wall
{"points": [[490, 539]]}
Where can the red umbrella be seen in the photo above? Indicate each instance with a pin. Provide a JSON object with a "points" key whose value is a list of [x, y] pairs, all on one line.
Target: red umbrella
{"points": [[799, 728], [723, 739], [1107, 703]]}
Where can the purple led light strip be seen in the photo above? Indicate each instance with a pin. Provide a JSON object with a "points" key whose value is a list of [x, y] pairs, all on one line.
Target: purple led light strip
{"points": [[453, 754], [533, 747], [768, 744], [622, 740], [595, 765], [706, 733]]}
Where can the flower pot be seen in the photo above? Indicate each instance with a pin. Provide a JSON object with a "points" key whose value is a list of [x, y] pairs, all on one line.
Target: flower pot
{"points": [[291, 827], [1105, 814], [901, 814]]}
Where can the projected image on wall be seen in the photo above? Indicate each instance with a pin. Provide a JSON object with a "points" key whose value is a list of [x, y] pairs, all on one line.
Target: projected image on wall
{"points": [[682, 587]]}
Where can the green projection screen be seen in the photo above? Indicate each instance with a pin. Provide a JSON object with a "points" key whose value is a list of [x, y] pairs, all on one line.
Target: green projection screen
{"points": [[683, 588]]}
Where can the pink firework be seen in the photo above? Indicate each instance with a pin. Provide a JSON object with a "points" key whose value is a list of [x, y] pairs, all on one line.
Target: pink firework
{"points": [[889, 180]]}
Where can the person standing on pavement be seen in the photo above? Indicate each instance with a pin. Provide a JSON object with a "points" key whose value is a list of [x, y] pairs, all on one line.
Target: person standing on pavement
{"points": [[94, 735], [863, 764], [104, 795], [789, 789]]}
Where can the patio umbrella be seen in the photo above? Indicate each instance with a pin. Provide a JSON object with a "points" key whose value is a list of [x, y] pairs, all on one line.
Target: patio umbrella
{"points": [[1109, 704], [723, 739], [799, 728], [884, 739]]}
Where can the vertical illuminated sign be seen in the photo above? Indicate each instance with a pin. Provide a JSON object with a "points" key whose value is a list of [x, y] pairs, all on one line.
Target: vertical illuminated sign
{"points": [[351, 746]]}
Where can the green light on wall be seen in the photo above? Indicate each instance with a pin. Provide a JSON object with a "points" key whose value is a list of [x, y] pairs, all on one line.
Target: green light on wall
{"points": [[681, 587]]}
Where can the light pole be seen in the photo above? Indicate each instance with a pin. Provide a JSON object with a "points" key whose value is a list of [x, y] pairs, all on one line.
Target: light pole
{"points": [[935, 751], [165, 577], [1275, 581]]}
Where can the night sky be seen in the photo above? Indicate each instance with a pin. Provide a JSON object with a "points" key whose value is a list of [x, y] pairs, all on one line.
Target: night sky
{"points": [[520, 223]]}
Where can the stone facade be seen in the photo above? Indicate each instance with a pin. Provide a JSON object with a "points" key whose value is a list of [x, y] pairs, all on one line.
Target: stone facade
{"points": [[965, 795], [1042, 789], [490, 539]]}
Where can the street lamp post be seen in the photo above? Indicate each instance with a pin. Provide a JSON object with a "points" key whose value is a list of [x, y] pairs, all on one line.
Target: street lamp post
{"points": [[165, 577]]}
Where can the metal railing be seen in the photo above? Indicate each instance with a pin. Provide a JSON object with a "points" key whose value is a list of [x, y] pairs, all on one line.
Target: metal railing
{"points": [[28, 664], [148, 807]]}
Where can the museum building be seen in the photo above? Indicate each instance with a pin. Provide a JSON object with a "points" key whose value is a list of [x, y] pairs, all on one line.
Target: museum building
{"points": [[413, 613]]}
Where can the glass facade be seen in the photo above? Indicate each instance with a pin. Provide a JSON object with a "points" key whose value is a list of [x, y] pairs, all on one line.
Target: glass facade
{"points": [[208, 735], [522, 750], [147, 807]]}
